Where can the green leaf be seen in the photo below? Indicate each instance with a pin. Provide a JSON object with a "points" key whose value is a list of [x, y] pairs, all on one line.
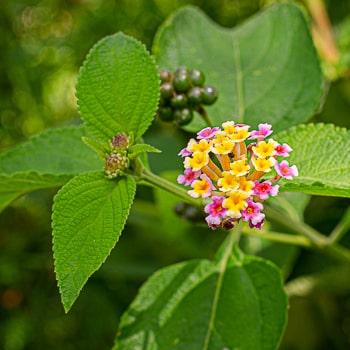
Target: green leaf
{"points": [[266, 70], [322, 154], [139, 148], [46, 160], [237, 302], [98, 147], [16, 185], [55, 151], [118, 88], [89, 214]]}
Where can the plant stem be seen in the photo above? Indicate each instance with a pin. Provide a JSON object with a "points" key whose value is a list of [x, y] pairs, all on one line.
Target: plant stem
{"points": [[205, 116], [298, 227], [322, 31], [316, 239], [168, 186], [342, 227], [279, 237]]}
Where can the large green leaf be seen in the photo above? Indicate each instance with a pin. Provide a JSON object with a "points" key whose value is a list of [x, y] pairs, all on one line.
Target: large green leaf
{"points": [[322, 154], [47, 160], [55, 151], [16, 185], [236, 302], [118, 88], [89, 214], [266, 70]]}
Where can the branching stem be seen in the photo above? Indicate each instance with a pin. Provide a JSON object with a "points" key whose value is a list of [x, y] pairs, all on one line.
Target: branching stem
{"points": [[316, 238]]}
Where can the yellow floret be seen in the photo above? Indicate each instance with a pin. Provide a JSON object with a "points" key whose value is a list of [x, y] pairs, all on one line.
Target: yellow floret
{"points": [[228, 182], [235, 203], [264, 150], [263, 164], [240, 167], [197, 162]]}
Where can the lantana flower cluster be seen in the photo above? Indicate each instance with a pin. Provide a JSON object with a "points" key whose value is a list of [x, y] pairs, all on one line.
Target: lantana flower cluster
{"points": [[235, 170]]}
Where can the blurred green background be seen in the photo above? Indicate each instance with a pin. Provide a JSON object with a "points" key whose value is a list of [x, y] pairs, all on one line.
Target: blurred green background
{"points": [[42, 45]]}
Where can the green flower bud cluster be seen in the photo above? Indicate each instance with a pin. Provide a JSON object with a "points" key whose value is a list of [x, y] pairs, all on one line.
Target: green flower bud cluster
{"points": [[117, 160], [181, 93]]}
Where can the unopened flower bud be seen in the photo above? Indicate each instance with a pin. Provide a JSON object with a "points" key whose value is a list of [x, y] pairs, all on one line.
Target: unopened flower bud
{"points": [[120, 141], [115, 164]]}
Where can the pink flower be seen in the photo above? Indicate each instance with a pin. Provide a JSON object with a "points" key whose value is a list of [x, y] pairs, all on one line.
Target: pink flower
{"points": [[215, 211], [283, 169], [283, 150], [188, 177], [263, 131], [184, 152], [252, 214], [207, 133], [252, 211], [264, 189], [258, 225]]}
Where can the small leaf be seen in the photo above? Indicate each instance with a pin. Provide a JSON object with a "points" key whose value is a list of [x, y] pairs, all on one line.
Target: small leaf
{"points": [[97, 146], [237, 303], [89, 214], [139, 148], [265, 70], [322, 154], [118, 88]]}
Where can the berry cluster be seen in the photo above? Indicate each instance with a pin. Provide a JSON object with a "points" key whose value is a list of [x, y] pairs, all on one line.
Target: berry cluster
{"points": [[233, 174], [182, 92]]}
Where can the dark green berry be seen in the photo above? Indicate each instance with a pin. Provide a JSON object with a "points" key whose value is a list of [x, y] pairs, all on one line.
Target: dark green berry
{"points": [[179, 101], [166, 90], [180, 208], [183, 116], [181, 70], [193, 213], [209, 95], [197, 77], [165, 114], [181, 82], [194, 96], [164, 75], [163, 102]]}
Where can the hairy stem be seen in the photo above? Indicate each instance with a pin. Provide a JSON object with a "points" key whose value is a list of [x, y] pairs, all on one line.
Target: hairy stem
{"points": [[168, 186]]}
